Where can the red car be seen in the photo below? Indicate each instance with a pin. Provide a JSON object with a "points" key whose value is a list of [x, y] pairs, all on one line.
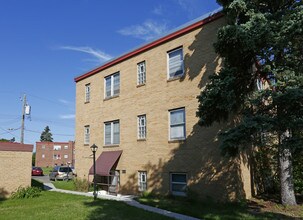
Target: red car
{"points": [[37, 171]]}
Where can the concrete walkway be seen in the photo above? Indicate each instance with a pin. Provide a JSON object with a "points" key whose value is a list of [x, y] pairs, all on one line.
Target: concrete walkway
{"points": [[124, 198]]}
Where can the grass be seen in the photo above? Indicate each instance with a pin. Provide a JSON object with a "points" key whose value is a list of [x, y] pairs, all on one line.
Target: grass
{"points": [[254, 210], [54, 205], [67, 185], [47, 170]]}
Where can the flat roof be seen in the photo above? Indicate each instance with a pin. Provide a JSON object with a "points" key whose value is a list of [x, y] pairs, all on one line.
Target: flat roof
{"points": [[190, 26], [8, 146]]}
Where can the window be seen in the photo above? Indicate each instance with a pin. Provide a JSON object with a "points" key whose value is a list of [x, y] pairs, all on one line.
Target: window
{"points": [[65, 147], [178, 184], [57, 147], [57, 156], [111, 133], [141, 126], [175, 63], [112, 85], [65, 156], [177, 124], [43, 155], [86, 134], [87, 92], [43, 146], [142, 182], [141, 73]]}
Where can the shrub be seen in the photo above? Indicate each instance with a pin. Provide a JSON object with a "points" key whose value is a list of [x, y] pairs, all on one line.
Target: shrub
{"points": [[81, 185], [26, 192]]}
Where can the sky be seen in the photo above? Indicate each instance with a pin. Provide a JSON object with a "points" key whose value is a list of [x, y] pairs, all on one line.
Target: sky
{"points": [[45, 44]]}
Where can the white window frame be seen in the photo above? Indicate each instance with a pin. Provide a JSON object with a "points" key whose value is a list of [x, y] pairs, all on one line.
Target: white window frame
{"points": [[178, 193], [65, 147], [86, 134], [141, 76], [43, 155], [57, 147], [111, 123], [111, 77], [168, 63], [141, 127], [65, 156], [142, 181], [175, 125], [43, 146], [87, 92]]}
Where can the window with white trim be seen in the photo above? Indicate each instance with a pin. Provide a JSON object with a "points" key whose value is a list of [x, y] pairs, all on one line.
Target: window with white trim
{"points": [[141, 68], [57, 147], [141, 126], [57, 156], [112, 85], [142, 181], [43, 155], [175, 63], [43, 146], [65, 156], [87, 92], [178, 184], [65, 147], [177, 124], [86, 134], [111, 133]]}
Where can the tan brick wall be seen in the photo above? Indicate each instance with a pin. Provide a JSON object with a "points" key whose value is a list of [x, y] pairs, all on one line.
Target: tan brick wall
{"points": [[209, 174], [15, 170]]}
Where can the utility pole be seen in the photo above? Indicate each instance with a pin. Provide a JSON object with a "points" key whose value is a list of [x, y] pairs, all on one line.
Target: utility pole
{"points": [[22, 120]]}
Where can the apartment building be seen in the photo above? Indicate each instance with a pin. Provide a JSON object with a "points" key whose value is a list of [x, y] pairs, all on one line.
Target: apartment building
{"points": [[140, 110], [49, 154]]}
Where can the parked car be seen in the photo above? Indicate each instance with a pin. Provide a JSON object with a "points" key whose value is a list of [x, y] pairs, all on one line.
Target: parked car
{"points": [[61, 173], [37, 171]]}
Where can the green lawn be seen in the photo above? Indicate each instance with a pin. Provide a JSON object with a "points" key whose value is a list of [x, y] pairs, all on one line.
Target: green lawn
{"points": [[67, 185], [46, 170], [211, 210], [54, 205]]}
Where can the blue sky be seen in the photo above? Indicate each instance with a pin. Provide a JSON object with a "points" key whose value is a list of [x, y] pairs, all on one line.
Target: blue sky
{"points": [[45, 44]]}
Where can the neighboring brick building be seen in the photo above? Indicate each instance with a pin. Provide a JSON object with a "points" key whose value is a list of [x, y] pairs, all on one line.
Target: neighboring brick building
{"points": [[15, 167], [140, 110], [49, 154]]}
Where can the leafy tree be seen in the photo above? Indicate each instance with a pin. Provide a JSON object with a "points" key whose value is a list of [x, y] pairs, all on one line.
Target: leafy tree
{"points": [[261, 42], [4, 140], [46, 135]]}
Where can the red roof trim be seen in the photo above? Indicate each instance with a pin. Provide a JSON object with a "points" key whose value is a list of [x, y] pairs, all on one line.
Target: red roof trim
{"points": [[152, 44], [7, 146]]}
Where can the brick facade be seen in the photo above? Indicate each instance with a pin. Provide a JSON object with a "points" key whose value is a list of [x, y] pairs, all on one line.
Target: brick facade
{"points": [[49, 154], [198, 156], [15, 167]]}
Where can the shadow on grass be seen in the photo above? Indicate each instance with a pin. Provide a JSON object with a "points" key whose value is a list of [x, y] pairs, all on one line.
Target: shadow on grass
{"points": [[36, 183], [107, 209], [3, 194], [214, 210]]}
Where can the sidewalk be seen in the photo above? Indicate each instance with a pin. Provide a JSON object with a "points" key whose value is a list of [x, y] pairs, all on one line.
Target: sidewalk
{"points": [[123, 198]]}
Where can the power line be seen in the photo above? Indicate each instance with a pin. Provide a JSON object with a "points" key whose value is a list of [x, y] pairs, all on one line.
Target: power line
{"points": [[39, 132]]}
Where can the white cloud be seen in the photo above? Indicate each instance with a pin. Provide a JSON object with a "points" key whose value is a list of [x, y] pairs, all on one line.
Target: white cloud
{"points": [[190, 6], [68, 116], [100, 55], [64, 101], [158, 10], [148, 30]]}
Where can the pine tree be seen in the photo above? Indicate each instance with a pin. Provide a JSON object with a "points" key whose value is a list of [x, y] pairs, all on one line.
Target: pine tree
{"points": [[262, 42], [46, 135]]}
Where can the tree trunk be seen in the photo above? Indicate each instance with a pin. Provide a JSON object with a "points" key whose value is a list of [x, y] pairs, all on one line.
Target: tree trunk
{"points": [[286, 178]]}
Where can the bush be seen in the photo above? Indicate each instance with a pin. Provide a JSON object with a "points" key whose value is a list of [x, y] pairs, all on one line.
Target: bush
{"points": [[26, 192], [81, 185]]}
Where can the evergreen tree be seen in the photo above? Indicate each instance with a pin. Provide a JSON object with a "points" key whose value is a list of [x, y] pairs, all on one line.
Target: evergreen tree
{"points": [[46, 135], [262, 41]]}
